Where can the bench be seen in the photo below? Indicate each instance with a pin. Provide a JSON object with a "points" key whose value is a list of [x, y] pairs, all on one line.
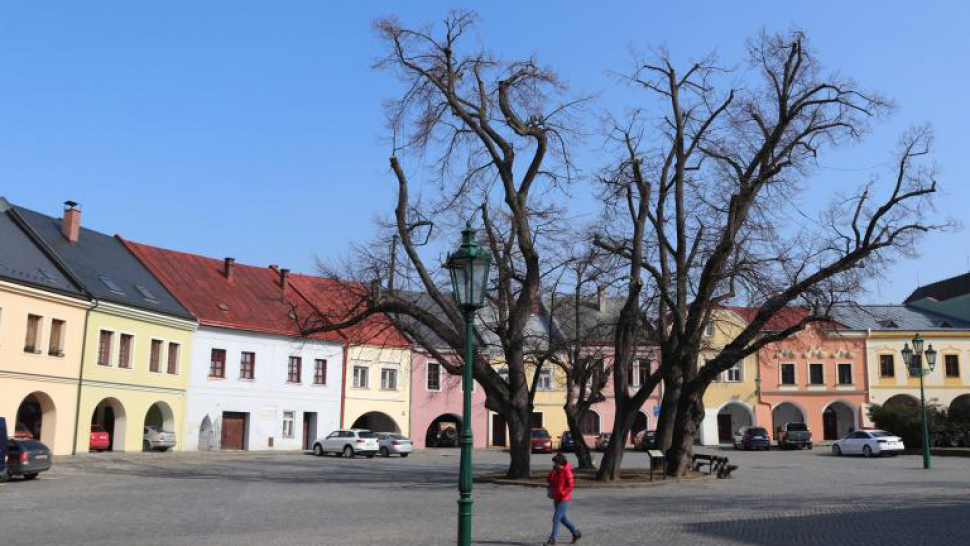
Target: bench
{"points": [[716, 465]]}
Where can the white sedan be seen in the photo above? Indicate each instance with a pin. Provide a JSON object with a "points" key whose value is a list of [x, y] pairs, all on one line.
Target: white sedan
{"points": [[868, 443]]}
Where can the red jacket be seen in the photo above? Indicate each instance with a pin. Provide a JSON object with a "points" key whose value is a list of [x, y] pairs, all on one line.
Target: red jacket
{"points": [[561, 483]]}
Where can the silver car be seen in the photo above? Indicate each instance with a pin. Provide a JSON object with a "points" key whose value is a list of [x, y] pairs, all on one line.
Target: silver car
{"points": [[394, 443], [157, 439]]}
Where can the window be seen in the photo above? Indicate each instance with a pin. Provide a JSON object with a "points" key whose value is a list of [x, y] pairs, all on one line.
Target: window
{"points": [[733, 374], [845, 374], [295, 371], [320, 372], [217, 363], [589, 423], [33, 333], [952, 365], [56, 346], [545, 380], [113, 286], [787, 374], [146, 293], [709, 329], [816, 374], [388, 379], [360, 377], [537, 419], [173, 358], [434, 376], [104, 348], [247, 366], [124, 351], [887, 368], [503, 372], [643, 371], [155, 358], [288, 418]]}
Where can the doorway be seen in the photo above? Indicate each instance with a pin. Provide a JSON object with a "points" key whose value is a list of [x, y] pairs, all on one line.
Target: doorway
{"points": [[498, 430], [234, 430], [309, 428]]}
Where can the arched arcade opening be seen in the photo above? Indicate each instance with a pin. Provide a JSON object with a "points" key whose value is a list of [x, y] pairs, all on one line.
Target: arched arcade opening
{"points": [[36, 418], [109, 416], [444, 431], [376, 421], [730, 418], [785, 412], [838, 420]]}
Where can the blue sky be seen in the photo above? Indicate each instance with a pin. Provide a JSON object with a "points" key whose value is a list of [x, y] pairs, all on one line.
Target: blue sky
{"points": [[254, 129]]}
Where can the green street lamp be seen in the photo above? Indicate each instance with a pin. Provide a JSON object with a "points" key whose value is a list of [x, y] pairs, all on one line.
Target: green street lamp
{"points": [[914, 361], [469, 276]]}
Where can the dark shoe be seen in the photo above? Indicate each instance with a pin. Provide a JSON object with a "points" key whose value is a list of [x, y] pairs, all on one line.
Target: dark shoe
{"points": [[550, 542], [577, 536]]}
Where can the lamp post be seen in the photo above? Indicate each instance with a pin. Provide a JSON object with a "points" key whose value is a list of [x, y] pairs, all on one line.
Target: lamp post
{"points": [[914, 362], [469, 274]]}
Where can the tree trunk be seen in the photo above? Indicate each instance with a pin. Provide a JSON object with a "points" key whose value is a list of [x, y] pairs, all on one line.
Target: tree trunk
{"points": [[520, 441], [673, 385], [583, 455], [690, 413], [613, 457]]}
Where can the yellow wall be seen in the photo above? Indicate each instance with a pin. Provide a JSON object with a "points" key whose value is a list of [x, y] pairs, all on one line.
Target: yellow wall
{"points": [[394, 403], [133, 391], [53, 378], [726, 326]]}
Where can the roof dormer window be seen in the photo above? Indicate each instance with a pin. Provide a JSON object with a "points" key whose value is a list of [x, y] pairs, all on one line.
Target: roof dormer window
{"points": [[113, 286], [888, 324], [146, 293]]}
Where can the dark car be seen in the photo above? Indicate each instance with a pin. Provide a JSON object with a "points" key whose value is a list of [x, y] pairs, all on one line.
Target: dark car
{"points": [[566, 442], [748, 438], [448, 437], [27, 458], [644, 440], [794, 435], [3, 449], [541, 441]]}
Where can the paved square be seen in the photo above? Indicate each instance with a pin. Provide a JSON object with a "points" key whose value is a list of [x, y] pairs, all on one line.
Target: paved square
{"points": [[788, 498]]}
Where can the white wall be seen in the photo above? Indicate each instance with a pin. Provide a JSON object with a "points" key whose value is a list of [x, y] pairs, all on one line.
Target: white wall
{"points": [[266, 397]]}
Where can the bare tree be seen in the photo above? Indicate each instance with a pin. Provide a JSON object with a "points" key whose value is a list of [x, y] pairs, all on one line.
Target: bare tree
{"points": [[704, 205], [490, 137]]}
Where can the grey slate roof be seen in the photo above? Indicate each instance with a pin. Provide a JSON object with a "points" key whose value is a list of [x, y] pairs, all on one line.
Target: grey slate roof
{"points": [[943, 290], [888, 318], [23, 262], [595, 325], [98, 260], [423, 300]]}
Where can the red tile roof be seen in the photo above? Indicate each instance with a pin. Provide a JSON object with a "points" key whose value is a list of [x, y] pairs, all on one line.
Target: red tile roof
{"points": [[784, 318], [343, 299], [253, 300]]}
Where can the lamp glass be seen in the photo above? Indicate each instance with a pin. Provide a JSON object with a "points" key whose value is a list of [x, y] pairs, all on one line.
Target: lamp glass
{"points": [[907, 356], [930, 358], [918, 344]]}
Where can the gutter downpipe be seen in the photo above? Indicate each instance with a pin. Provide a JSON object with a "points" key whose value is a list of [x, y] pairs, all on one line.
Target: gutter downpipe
{"points": [[80, 375], [865, 366], [343, 384]]}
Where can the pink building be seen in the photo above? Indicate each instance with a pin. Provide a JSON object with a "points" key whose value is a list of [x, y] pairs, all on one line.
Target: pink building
{"points": [[600, 418], [436, 405], [817, 377]]}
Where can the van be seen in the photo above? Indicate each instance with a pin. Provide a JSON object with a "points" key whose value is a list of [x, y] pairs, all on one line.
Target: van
{"points": [[3, 449]]}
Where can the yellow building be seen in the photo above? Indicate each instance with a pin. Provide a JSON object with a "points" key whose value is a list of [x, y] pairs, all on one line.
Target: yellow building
{"points": [[378, 387], [731, 401], [42, 315], [137, 337]]}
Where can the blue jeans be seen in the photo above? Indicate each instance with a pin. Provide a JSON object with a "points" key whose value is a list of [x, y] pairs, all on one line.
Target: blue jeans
{"points": [[559, 516]]}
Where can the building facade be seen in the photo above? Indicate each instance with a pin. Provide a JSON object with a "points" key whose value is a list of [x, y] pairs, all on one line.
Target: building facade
{"points": [[731, 400]]}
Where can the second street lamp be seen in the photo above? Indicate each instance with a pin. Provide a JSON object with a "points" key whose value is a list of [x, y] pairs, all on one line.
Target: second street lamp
{"points": [[469, 267], [914, 362]]}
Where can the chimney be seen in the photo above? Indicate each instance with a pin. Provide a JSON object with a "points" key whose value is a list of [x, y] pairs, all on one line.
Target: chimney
{"points": [[71, 223], [227, 268], [284, 278], [601, 298]]}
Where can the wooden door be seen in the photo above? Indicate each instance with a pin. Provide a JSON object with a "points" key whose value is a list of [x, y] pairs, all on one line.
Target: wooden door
{"points": [[233, 430], [498, 430], [830, 425], [725, 431]]}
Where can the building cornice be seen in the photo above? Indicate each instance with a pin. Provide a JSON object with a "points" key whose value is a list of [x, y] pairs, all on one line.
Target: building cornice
{"points": [[145, 316], [45, 295]]}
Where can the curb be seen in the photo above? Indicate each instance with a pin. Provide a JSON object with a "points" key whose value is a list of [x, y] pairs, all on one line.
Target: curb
{"points": [[585, 484]]}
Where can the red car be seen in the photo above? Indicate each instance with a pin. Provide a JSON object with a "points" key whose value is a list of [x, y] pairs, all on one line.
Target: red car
{"points": [[100, 439], [20, 432], [541, 441]]}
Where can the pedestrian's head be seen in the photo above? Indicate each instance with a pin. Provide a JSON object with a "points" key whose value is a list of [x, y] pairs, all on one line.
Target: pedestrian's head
{"points": [[559, 459]]}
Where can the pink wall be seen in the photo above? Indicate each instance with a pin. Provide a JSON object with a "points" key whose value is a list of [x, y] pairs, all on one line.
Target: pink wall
{"points": [[426, 406], [812, 400], [607, 408]]}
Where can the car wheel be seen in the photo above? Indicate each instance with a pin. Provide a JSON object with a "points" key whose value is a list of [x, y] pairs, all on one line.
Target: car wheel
{"points": [[4, 476], [810, 446], [348, 452], [866, 451], [30, 476], [404, 455], [385, 452], [146, 446], [318, 450], [836, 450]]}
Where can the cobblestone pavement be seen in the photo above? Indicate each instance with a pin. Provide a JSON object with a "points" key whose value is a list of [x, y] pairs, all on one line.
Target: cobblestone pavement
{"points": [[788, 498]]}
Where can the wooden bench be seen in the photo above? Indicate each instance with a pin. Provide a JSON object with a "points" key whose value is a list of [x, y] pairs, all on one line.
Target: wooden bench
{"points": [[716, 465]]}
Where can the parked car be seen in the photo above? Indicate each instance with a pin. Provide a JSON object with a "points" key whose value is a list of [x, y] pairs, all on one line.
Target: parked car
{"points": [[644, 440], [27, 458], [389, 443], [794, 435], [100, 439], [567, 443], [748, 438], [347, 442], [602, 441], [448, 437], [156, 439], [4, 446], [541, 441], [868, 443], [22, 433]]}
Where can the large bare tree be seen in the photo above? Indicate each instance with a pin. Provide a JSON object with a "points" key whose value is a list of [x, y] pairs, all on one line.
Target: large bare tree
{"points": [[488, 138], [713, 201]]}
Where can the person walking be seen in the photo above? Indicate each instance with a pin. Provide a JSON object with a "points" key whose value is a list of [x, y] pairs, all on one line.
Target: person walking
{"points": [[560, 491]]}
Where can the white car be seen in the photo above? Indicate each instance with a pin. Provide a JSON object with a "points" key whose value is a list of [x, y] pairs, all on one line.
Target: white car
{"points": [[347, 442], [156, 439], [868, 443], [394, 443]]}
